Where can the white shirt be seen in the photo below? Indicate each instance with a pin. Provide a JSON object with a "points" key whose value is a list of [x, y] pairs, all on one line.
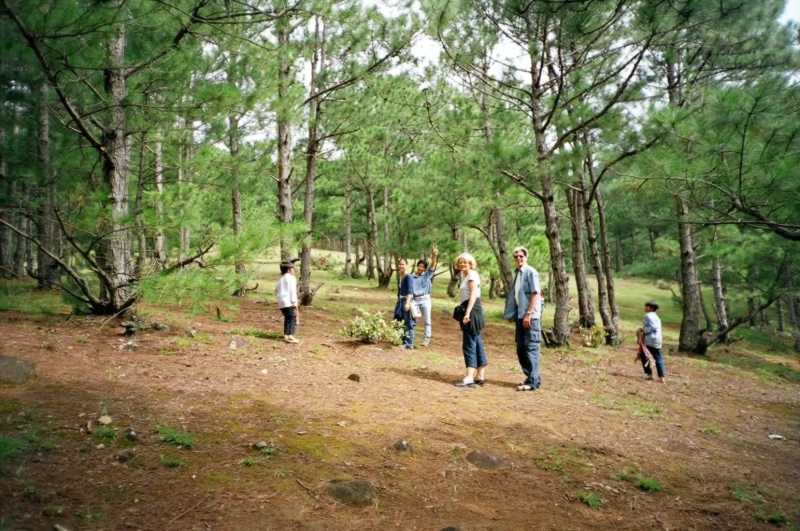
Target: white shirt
{"points": [[463, 292], [286, 291]]}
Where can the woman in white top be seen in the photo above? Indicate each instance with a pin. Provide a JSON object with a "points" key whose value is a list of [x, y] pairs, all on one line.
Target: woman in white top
{"points": [[472, 323], [286, 292]]}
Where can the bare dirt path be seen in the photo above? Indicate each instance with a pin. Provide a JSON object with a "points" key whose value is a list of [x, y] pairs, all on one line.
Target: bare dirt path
{"points": [[595, 430]]}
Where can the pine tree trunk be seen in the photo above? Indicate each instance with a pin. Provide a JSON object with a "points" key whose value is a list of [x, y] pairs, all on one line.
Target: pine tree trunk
{"points": [[49, 274], [607, 265], [610, 328], [794, 318], [236, 196], [620, 256], [506, 273], [751, 309], [141, 231], [21, 251], [452, 286], [372, 238], [720, 305], [186, 156], [348, 231], [159, 242], [585, 306], [779, 308], [691, 333], [285, 212], [6, 235], [115, 247]]}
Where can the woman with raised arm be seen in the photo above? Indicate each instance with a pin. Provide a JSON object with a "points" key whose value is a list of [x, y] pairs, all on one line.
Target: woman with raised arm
{"points": [[402, 311]]}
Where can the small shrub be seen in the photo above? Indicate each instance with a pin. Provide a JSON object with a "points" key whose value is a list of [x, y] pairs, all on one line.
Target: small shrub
{"points": [[10, 448], [323, 262], [591, 499], [105, 432], [174, 437], [593, 337], [371, 328], [171, 461], [648, 484]]}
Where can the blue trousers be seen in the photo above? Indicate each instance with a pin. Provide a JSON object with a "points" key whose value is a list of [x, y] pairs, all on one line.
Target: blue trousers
{"points": [[472, 346], [529, 344], [656, 352], [289, 321]]}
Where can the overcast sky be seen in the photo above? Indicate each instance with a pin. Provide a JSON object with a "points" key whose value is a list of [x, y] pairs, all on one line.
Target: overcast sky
{"points": [[792, 11]]}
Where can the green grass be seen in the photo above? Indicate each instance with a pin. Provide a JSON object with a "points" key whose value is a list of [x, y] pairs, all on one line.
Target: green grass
{"points": [[713, 430], [105, 432], [648, 484], [90, 513], [174, 437], [775, 518], [591, 499], [627, 475], [249, 462], [741, 493], [252, 332], [22, 296], [171, 461], [633, 408], [10, 448]]}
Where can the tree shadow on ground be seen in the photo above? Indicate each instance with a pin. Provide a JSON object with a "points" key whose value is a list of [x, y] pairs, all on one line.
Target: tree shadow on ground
{"points": [[449, 379]]}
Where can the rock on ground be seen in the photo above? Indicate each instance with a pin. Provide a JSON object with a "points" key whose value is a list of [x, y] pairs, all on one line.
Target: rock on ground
{"points": [[484, 460], [403, 446], [16, 370], [356, 493]]}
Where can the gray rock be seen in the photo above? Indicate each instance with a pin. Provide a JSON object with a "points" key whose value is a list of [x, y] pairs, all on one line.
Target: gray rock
{"points": [[125, 455], [235, 344], [16, 370], [356, 493], [484, 460], [192, 334], [130, 346], [132, 435], [354, 377], [403, 446], [160, 327], [260, 445]]}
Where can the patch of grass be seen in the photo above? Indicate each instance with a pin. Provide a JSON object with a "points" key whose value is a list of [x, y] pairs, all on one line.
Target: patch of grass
{"points": [[171, 461], [10, 448], [633, 408], [269, 451], [181, 342], [105, 432], [741, 493], [710, 429], [591, 499], [775, 518], [174, 437], [48, 446], [249, 462], [625, 476], [648, 484], [90, 513], [280, 473], [31, 493]]}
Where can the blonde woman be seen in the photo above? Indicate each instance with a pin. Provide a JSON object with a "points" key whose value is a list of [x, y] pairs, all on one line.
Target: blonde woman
{"points": [[472, 323]]}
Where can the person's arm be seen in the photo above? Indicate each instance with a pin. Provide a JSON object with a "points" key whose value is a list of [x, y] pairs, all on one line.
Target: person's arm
{"points": [[526, 321], [406, 287], [473, 295], [435, 259], [647, 326]]}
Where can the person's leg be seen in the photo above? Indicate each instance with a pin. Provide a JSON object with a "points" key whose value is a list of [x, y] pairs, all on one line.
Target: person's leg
{"points": [[480, 354], [522, 354], [425, 306], [470, 356], [408, 335], [533, 350], [656, 352]]}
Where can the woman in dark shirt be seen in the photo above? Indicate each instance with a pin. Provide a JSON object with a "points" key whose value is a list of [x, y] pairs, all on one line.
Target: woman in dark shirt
{"points": [[402, 311]]}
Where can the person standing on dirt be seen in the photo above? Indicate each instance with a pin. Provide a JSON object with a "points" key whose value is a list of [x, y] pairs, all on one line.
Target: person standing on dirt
{"points": [[402, 310], [422, 286], [651, 329], [286, 292], [524, 304], [472, 322]]}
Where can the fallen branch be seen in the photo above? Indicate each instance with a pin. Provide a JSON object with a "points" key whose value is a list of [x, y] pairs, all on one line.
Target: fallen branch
{"points": [[187, 511]]}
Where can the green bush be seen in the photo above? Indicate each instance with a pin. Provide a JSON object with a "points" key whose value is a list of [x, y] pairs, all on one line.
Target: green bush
{"points": [[371, 328], [591, 499], [10, 448]]}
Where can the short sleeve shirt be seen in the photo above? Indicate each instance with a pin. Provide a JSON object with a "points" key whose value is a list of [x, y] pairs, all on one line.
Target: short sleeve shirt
{"points": [[422, 284], [463, 292]]}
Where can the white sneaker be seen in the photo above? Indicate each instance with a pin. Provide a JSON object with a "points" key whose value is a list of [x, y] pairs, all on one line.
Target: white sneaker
{"points": [[425, 343]]}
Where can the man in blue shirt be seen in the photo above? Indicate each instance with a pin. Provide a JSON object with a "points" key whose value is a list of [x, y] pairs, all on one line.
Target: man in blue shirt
{"points": [[422, 283], [524, 305]]}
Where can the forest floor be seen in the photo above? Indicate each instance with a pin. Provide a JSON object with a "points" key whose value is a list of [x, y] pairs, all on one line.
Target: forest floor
{"points": [[694, 453]]}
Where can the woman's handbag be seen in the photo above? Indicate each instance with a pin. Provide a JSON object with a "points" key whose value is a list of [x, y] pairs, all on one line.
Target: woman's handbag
{"points": [[416, 313], [460, 311]]}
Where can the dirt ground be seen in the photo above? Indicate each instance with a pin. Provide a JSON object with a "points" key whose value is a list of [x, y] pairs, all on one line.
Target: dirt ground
{"points": [[594, 430]]}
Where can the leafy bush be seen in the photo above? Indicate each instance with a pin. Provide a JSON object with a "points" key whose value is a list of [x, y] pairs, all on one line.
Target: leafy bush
{"points": [[593, 337], [10, 448], [371, 328], [322, 261]]}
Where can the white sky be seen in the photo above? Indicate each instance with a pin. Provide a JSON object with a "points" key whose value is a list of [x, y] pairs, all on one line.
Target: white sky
{"points": [[792, 11]]}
